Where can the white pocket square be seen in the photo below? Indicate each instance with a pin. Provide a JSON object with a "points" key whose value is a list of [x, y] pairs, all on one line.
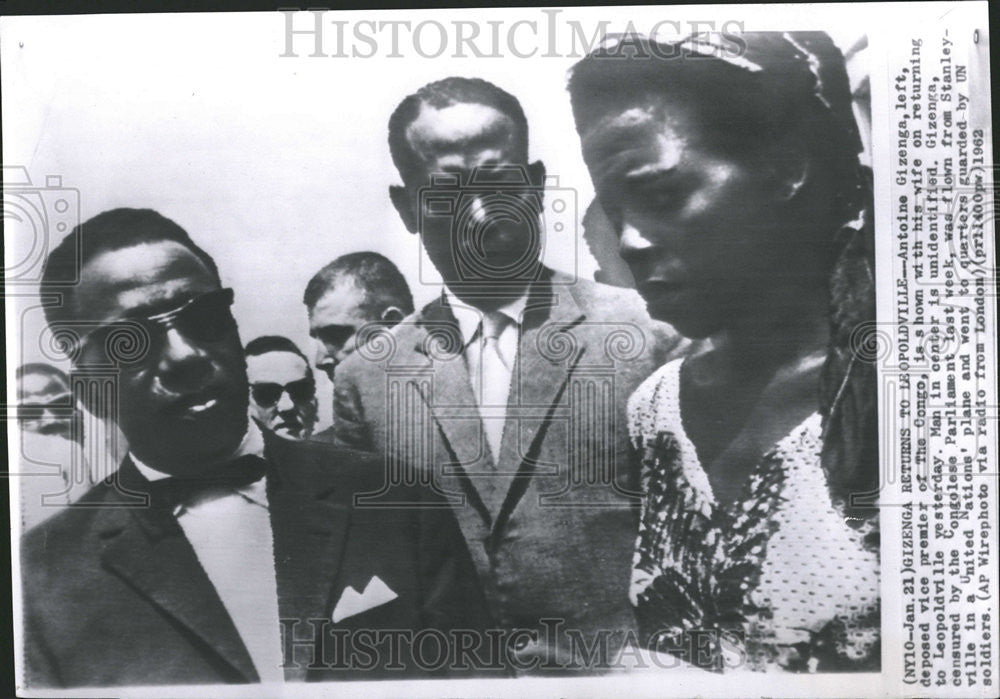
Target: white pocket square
{"points": [[351, 602]]}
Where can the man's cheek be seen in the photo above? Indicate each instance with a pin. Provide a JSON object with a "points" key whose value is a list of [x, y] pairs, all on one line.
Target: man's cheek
{"points": [[134, 394], [231, 362]]}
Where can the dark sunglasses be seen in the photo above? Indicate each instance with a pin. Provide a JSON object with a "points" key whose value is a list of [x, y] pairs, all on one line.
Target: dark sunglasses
{"points": [[268, 394], [136, 340]]}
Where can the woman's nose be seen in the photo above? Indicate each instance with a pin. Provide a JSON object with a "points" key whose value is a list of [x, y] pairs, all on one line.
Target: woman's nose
{"points": [[631, 242]]}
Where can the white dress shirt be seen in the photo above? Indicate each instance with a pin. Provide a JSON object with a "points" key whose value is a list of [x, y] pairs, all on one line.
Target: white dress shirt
{"points": [[490, 379], [230, 532]]}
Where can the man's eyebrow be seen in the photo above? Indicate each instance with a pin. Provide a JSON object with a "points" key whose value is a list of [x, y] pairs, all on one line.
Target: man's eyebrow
{"points": [[484, 137], [152, 308]]}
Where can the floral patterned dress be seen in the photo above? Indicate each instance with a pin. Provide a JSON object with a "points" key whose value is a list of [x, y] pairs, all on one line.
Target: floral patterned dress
{"points": [[779, 580]]}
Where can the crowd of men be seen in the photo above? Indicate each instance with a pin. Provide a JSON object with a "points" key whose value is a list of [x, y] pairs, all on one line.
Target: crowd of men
{"points": [[351, 291], [473, 484]]}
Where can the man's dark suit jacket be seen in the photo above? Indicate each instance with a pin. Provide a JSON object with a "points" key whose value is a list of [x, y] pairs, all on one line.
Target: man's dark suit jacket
{"points": [[552, 526], [114, 595]]}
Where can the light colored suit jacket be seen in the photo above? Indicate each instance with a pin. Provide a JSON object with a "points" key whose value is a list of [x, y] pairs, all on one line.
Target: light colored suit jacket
{"points": [[551, 525]]}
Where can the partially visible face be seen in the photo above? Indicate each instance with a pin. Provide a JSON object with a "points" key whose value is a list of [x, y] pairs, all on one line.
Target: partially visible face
{"points": [[47, 406], [183, 407], [282, 393], [334, 322], [485, 225], [699, 229]]}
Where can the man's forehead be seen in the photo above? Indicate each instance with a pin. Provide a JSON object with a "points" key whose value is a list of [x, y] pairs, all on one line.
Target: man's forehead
{"points": [[460, 128], [279, 366], [341, 304], [141, 276]]}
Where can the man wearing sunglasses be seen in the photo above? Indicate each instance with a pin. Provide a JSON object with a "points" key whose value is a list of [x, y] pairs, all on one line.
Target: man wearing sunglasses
{"points": [[217, 553], [47, 405], [282, 387], [51, 436]]}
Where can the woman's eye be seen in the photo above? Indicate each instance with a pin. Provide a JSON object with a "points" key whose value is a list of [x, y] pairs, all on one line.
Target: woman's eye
{"points": [[666, 196]]}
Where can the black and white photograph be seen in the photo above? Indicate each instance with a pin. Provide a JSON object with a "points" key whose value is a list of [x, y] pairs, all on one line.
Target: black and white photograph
{"points": [[502, 352]]}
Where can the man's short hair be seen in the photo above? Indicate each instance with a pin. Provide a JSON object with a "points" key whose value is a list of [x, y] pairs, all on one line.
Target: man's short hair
{"points": [[108, 231], [272, 343], [444, 93], [381, 282]]}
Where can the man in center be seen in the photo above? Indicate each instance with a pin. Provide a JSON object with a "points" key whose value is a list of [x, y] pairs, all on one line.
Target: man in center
{"points": [[507, 392]]}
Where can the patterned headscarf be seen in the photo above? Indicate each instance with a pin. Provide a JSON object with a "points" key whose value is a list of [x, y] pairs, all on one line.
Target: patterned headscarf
{"points": [[787, 67]]}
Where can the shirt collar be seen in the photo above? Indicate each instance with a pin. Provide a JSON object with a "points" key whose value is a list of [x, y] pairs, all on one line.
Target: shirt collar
{"points": [[252, 444], [470, 317]]}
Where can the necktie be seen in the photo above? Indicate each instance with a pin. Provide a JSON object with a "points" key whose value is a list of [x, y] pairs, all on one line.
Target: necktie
{"points": [[495, 370], [169, 492]]}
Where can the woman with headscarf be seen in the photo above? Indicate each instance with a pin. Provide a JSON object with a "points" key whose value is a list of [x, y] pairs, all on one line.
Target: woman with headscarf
{"points": [[729, 168]]}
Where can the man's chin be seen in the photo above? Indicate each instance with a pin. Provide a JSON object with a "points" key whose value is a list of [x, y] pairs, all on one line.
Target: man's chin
{"points": [[472, 267], [504, 265], [183, 446]]}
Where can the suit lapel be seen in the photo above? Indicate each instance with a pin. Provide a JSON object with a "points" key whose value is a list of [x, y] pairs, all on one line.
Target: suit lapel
{"points": [[548, 351], [148, 549], [452, 403], [309, 523], [550, 348]]}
